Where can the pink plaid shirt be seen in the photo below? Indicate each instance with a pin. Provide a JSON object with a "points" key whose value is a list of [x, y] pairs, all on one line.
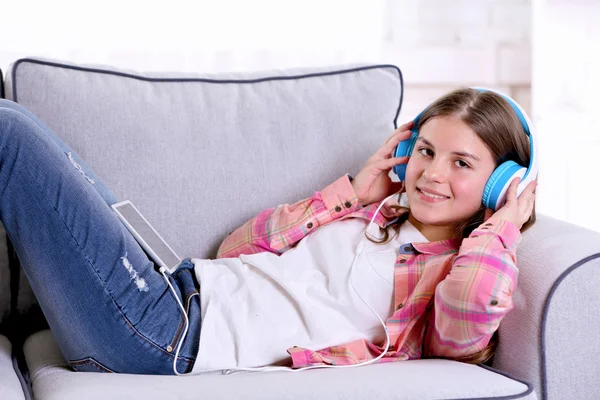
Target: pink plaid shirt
{"points": [[449, 296]]}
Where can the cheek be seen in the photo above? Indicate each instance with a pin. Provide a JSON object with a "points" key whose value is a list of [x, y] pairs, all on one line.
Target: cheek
{"points": [[412, 169], [469, 190]]}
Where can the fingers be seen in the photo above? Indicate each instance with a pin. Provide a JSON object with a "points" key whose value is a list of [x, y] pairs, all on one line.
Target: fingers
{"points": [[383, 159], [529, 209], [401, 129], [527, 199], [388, 163], [406, 126], [528, 193], [511, 194], [523, 206], [531, 186], [390, 144]]}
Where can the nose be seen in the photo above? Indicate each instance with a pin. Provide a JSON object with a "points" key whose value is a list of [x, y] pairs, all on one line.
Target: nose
{"points": [[436, 171]]}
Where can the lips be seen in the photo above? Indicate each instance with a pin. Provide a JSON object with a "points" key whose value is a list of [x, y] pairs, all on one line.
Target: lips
{"points": [[432, 193]]}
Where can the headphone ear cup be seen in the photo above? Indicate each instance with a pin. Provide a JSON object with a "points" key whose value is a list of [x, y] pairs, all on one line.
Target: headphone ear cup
{"points": [[404, 148], [494, 193]]}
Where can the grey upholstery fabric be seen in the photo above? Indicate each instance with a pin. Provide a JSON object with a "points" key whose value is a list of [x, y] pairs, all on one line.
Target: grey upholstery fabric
{"points": [[560, 326], [421, 379], [10, 386], [199, 155], [570, 322]]}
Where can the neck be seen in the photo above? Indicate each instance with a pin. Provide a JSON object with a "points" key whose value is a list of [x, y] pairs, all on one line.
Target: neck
{"points": [[433, 233]]}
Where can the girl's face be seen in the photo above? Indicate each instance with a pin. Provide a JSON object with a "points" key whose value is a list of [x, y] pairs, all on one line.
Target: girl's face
{"points": [[445, 176]]}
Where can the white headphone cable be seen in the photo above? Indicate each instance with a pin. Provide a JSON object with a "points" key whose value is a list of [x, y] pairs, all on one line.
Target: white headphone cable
{"points": [[187, 323]]}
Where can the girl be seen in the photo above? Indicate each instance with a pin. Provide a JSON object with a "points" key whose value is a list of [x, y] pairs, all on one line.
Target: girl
{"points": [[438, 267]]}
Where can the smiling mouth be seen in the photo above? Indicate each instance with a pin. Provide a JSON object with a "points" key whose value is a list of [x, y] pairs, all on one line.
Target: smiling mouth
{"points": [[431, 195]]}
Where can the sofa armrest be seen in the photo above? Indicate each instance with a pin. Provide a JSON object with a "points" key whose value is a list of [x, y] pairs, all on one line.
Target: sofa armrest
{"points": [[550, 337]]}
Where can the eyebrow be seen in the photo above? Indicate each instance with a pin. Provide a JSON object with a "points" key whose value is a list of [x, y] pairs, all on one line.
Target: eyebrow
{"points": [[458, 153]]}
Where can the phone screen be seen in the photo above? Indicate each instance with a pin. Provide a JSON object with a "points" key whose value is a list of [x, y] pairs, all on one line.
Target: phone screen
{"points": [[148, 234]]}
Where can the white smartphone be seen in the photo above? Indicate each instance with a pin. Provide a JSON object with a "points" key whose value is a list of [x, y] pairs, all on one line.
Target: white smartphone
{"points": [[147, 236]]}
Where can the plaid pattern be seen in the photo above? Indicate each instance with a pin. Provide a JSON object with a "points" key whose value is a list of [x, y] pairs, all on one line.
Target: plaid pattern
{"points": [[449, 296]]}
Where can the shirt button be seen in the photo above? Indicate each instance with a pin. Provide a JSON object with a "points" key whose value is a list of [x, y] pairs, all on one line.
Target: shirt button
{"points": [[399, 306], [474, 236], [494, 302], [408, 248], [338, 208], [309, 225], [488, 224], [402, 260], [347, 204]]}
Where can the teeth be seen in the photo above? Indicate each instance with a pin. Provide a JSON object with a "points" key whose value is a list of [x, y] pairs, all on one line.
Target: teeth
{"points": [[434, 196]]}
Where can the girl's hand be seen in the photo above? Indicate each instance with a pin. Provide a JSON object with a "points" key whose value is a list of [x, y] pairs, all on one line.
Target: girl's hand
{"points": [[372, 183], [516, 210]]}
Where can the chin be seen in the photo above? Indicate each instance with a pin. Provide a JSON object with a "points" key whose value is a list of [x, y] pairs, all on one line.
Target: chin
{"points": [[443, 216], [427, 216]]}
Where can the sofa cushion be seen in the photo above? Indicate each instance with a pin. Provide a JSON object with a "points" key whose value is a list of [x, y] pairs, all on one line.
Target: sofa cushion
{"points": [[421, 379], [10, 386], [201, 154]]}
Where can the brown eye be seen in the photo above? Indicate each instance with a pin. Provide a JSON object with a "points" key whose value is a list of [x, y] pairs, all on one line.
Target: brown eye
{"points": [[462, 164], [426, 152]]}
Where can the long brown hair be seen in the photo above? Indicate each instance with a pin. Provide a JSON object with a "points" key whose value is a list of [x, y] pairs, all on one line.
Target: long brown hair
{"points": [[495, 122]]}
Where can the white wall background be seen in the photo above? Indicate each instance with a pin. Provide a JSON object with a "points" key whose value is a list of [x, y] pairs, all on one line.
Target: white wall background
{"points": [[566, 89], [193, 35], [438, 45]]}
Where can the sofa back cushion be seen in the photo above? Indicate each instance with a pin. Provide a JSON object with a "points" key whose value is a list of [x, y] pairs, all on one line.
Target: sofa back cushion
{"points": [[201, 154]]}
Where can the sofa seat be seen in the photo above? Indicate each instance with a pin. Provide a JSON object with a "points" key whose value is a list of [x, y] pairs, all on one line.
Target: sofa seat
{"points": [[10, 386], [422, 379]]}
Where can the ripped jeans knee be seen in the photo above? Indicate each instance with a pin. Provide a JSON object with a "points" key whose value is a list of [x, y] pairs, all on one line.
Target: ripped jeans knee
{"points": [[78, 166], [140, 282]]}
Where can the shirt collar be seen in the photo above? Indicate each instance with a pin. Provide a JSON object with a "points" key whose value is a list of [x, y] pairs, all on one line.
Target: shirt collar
{"points": [[438, 248]]}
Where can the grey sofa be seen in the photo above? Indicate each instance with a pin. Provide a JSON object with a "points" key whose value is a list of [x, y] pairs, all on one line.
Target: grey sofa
{"points": [[200, 154]]}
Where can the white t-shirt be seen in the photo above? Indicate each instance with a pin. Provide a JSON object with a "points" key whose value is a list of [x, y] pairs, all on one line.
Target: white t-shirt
{"points": [[256, 306]]}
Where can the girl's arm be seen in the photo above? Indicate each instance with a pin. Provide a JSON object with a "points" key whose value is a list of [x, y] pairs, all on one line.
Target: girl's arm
{"points": [[477, 293], [280, 228]]}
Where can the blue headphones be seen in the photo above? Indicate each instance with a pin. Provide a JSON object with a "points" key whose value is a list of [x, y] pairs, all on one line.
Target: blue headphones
{"points": [[494, 194]]}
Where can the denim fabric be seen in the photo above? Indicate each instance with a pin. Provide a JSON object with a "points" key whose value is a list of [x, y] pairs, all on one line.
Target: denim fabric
{"points": [[106, 304]]}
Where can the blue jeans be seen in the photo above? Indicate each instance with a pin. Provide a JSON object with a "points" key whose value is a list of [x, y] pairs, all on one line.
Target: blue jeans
{"points": [[106, 304]]}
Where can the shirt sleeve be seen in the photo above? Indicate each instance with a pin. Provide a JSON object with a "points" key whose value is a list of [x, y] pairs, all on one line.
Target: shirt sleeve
{"points": [[352, 353], [280, 228], [477, 293]]}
